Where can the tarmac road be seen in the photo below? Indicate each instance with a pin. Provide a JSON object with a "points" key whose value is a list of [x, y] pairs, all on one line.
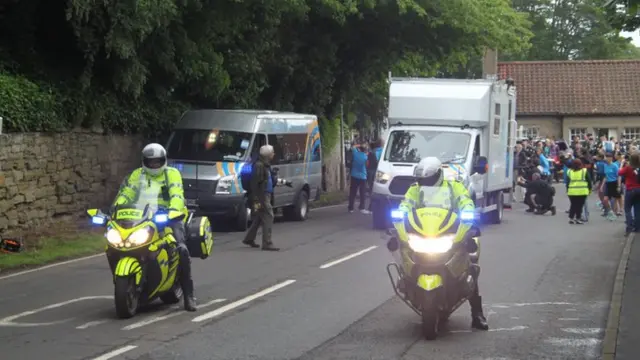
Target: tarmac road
{"points": [[546, 287]]}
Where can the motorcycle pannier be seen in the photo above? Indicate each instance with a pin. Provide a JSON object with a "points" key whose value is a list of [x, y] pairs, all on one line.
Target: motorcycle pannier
{"points": [[199, 237]]}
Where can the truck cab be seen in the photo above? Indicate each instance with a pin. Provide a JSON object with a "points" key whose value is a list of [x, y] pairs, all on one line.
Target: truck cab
{"points": [[468, 124]]}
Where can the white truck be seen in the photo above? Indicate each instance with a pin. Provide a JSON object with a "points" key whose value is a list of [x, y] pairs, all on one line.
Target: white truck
{"points": [[468, 124]]}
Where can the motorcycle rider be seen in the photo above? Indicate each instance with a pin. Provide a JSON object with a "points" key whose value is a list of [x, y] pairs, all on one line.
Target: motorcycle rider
{"points": [[428, 173], [155, 172]]}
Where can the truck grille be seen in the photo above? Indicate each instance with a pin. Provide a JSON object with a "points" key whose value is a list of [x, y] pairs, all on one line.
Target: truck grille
{"points": [[400, 184]]}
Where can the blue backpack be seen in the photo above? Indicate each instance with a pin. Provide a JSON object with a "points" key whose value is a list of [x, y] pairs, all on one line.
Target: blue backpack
{"points": [[245, 175]]}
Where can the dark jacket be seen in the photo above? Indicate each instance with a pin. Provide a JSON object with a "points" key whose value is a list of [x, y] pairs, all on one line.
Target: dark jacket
{"points": [[539, 187], [260, 174]]}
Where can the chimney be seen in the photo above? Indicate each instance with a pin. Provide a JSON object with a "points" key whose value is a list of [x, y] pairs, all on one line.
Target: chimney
{"points": [[490, 64]]}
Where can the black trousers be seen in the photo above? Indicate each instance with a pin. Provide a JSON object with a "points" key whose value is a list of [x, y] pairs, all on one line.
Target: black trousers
{"points": [[357, 185], [577, 203]]}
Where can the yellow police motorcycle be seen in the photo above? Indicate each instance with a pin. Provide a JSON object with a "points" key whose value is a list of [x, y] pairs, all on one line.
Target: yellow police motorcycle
{"points": [[436, 269], [141, 252]]}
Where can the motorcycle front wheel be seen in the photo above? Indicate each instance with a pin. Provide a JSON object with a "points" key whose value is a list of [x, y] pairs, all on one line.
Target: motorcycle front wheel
{"points": [[430, 318], [126, 297]]}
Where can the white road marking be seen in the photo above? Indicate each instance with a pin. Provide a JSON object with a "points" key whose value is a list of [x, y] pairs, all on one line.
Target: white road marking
{"points": [[348, 257], [114, 353], [50, 266], [569, 319], [514, 328], [590, 331], [91, 324], [9, 320], [238, 303], [587, 347], [174, 313], [504, 306]]}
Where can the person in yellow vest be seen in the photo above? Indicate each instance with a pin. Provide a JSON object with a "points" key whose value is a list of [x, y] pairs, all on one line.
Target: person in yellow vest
{"points": [[155, 173], [578, 188]]}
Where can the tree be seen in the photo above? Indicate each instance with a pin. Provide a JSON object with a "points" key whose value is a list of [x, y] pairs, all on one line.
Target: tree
{"points": [[623, 14], [132, 66], [573, 30]]}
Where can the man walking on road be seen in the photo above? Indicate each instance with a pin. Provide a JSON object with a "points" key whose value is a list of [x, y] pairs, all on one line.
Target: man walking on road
{"points": [[260, 193]]}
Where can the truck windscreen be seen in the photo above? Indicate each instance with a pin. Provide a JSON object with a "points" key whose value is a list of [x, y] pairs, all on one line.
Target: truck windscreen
{"points": [[409, 146], [209, 145]]}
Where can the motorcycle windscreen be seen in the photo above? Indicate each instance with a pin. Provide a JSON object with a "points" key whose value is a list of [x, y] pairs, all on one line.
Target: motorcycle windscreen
{"points": [[434, 214]]}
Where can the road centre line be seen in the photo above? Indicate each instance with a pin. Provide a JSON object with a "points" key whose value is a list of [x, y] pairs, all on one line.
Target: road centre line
{"points": [[348, 257], [155, 319], [219, 311], [116, 352], [91, 324], [9, 320]]}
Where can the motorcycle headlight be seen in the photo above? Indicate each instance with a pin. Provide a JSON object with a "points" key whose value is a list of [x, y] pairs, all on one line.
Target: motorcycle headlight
{"points": [[139, 237], [439, 245], [113, 237]]}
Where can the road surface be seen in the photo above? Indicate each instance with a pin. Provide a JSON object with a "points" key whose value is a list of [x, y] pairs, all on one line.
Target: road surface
{"points": [[326, 295]]}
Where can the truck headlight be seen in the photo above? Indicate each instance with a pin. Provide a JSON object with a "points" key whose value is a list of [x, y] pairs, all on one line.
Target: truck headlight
{"points": [[225, 184], [382, 177], [439, 245]]}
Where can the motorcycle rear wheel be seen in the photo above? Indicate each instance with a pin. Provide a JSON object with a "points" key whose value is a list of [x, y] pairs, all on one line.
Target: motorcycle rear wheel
{"points": [[126, 297], [172, 296]]}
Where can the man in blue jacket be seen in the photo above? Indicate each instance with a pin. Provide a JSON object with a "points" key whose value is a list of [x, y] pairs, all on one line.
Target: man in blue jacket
{"points": [[358, 176]]}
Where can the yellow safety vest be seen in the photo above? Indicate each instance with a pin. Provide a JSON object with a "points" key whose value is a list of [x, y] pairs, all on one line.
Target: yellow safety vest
{"points": [[578, 183]]}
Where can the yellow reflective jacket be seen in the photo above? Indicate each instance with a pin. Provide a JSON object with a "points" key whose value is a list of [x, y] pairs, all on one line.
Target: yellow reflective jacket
{"points": [[138, 181], [461, 198], [454, 194]]}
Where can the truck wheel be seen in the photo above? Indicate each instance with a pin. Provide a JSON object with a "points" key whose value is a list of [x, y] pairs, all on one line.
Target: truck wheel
{"points": [[300, 210], [379, 217], [244, 217], [495, 217]]}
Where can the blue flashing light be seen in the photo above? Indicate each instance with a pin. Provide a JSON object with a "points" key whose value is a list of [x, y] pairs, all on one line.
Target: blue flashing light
{"points": [[161, 218], [397, 214], [98, 220], [467, 215]]}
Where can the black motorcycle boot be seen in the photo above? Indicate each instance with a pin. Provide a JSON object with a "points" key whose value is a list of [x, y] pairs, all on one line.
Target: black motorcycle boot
{"points": [[478, 321], [189, 298]]}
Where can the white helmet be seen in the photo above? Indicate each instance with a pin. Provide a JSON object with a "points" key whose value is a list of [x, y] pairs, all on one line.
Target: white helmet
{"points": [[154, 159], [428, 172]]}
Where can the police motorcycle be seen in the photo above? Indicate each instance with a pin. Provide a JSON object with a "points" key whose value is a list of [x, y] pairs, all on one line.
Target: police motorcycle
{"points": [[141, 245], [436, 269]]}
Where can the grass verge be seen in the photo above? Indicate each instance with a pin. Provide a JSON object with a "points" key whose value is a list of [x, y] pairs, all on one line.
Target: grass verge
{"points": [[330, 198], [48, 250]]}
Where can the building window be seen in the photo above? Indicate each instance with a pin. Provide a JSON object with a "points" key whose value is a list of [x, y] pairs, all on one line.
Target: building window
{"points": [[631, 133], [496, 120], [581, 132], [531, 132]]}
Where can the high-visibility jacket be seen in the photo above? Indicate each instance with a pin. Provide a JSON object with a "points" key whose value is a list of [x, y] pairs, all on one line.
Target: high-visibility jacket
{"points": [[578, 185], [139, 185]]}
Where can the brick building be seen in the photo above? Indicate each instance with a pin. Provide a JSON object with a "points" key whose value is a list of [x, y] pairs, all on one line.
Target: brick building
{"points": [[565, 98]]}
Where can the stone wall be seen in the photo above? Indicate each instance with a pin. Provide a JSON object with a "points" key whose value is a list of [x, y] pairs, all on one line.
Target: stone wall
{"points": [[49, 177]]}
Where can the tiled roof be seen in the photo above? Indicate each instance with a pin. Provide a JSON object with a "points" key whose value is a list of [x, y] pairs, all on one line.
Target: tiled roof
{"points": [[594, 87]]}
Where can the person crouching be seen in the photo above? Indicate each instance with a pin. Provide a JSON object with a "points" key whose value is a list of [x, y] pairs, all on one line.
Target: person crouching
{"points": [[539, 195]]}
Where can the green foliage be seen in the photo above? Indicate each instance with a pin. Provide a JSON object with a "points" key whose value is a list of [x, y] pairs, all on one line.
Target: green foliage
{"points": [[133, 66], [329, 134], [623, 14], [572, 30], [28, 106]]}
